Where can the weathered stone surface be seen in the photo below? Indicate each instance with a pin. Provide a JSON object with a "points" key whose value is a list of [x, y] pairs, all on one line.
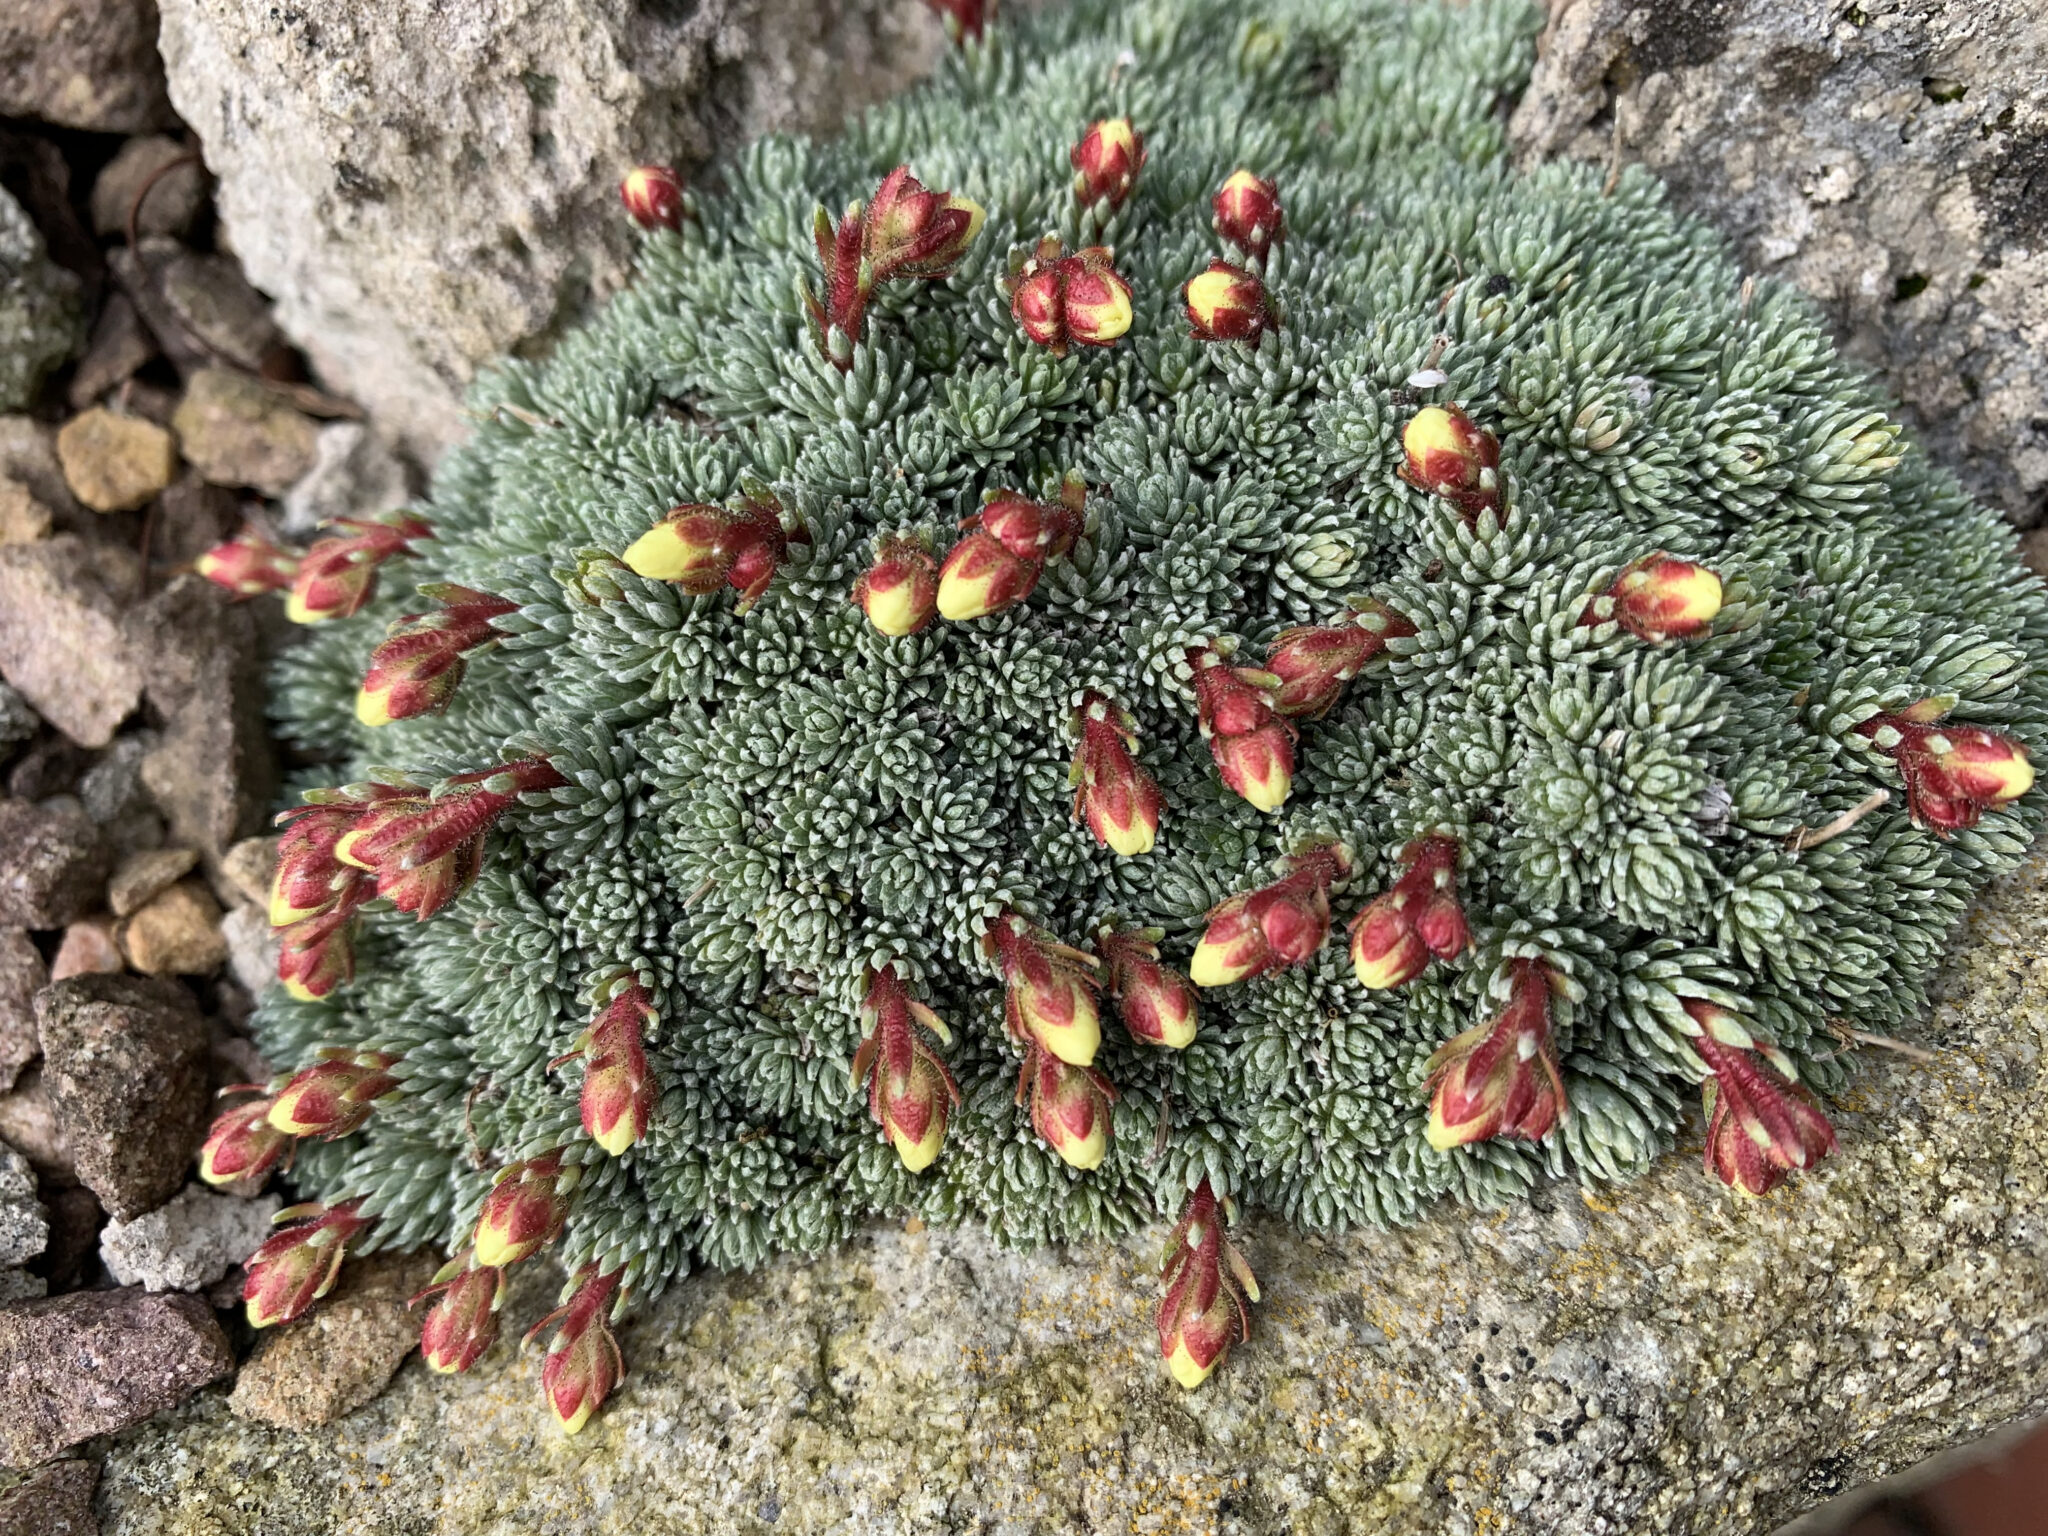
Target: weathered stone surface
{"points": [[88, 948], [60, 639], [237, 430], [52, 1501], [82, 64], [175, 933], [115, 463], [117, 800], [423, 189], [174, 198], [120, 344], [339, 1356], [252, 946], [22, 975], [72, 1258], [125, 1058], [353, 475], [1572, 1365], [188, 1243], [141, 875], [38, 299], [28, 456], [1889, 159], [18, 721], [97, 1361], [23, 519], [246, 869], [28, 1123], [52, 863], [23, 1228]]}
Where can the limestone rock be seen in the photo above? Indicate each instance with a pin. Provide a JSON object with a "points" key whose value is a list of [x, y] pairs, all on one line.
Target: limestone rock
{"points": [[237, 430], [1888, 159], [23, 1228], [120, 344], [175, 933], [82, 64], [339, 1355], [52, 863], [174, 199], [423, 189], [115, 463], [141, 875], [247, 868], [52, 1501], [353, 475], [38, 299], [188, 1243], [126, 1062], [97, 1361], [252, 946], [60, 639], [22, 975]]}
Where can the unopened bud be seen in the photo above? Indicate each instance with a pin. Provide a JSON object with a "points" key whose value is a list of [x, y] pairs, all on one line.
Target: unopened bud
{"points": [[1106, 162], [1227, 303], [1450, 455], [653, 195], [1247, 214]]}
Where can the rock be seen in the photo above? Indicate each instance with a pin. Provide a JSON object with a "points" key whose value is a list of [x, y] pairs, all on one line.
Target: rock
{"points": [[28, 456], [120, 344], [83, 64], [402, 260], [339, 1356], [39, 316], [89, 948], [49, 769], [189, 1243], [174, 198], [141, 875], [52, 1501], [115, 463], [2034, 551], [22, 975], [1566, 1366], [126, 1062], [215, 304], [52, 865], [61, 641], [117, 800], [353, 475], [23, 519], [28, 1123], [213, 771], [237, 430], [23, 1229], [191, 517], [247, 869], [1887, 159], [97, 1361], [252, 947], [18, 720], [73, 1257], [175, 933]]}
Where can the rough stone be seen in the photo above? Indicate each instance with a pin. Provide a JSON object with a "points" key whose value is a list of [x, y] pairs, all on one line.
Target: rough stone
{"points": [[207, 297], [141, 875], [191, 517], [23, 519], [1888, 159], [83, 64], [115, 463], [353, 475], [237, 430], [252, 946], [52, 864], [1570, 1365], [126, 1062], [60, 639], [347, 148], [174, 199], [189, 1243], [97, 1361], [28, 456], [23, 1228], [28, 1123], [89, 948], [120, 344], [39, 316], [117, 800], [175, 933], [247, 869], [341, 1354], [22, 975], [55, 1500], [48, 770]]}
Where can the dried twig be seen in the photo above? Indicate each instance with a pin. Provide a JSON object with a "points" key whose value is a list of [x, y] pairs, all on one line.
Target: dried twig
{"points": [[1813, 837], [1848, 1036], [1614, 147], [190, 157]]}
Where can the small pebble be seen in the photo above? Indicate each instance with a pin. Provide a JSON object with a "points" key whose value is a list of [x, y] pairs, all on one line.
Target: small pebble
{"points": [[115, 463]]}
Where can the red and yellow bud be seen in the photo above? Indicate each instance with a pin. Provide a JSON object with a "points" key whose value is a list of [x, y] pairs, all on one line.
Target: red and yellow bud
{"points": [[1059, 299], [899, 593], [525, 1209], [1658, 598], [425, 851], [1050, 996], [1953, 773], [1106, 162], [417, 668], [1393, 939], [1500, 1079], [1448, 454], [1227, 303], [998, 563], [910, 1093], [701, 548], [1761, 1125], [964, 19], [617, 1099], [1069, 1107], [1314, 662], [248, 564], [335, 1095], [336, 576], [1116, 797], [1276, 926], [1247, 214], [1252, 746], [297, 1265], [309, 880], [317, 954], [1156, 1004], [462, 1324], [1209, 1288], [653, 195], [242, 1144], [910, 232], [583, 1363]]}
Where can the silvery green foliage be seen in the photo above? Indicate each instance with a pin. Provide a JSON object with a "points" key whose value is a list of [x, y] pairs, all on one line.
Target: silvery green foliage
{"points": [[762, 807]]}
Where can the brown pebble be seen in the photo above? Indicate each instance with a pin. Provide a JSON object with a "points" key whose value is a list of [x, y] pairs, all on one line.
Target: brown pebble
{"points": [[141, 875], [88, 948], [23, 519], [175, 933], [115, 463], [248, 866], [339, 1355]]}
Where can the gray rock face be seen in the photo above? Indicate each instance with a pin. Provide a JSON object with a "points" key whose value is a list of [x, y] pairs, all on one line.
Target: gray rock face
{"points": [[1891, 159], [22, 975], [97, 1361], [425, 188], [187, 1243], [38, 302], [125, 1062], [82, 64], [60, 639], [1663, 1358], [53, 865], [23, 1227]]}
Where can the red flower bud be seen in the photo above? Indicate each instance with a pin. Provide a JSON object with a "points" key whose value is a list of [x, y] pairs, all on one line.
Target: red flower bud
{"points": [[462, 1324], [1314, 663], [1248, 214], [1276, 926], [1500, 1079], [1953, 773], [525, 1209], [1069, 1107], [309, 880], [1116, 797], [1106, 162], [242, 1145], [336, 576], [248, 564], [426, 851], [998, 563], [910, 1092], [910, 232], [617, 1100], [964, 18], [335, 1095], [1450, 455], [416, 670], [299, 1263], [1394, 937], [1157, 1005], [1658, 598], [1227, 303], [1060, 299], [583, 1364], [1050, 999], [1209, 1287], [1760, 1124], [701, 548], [1253, 747], [317, 955], [653, 195], [899, 592]]}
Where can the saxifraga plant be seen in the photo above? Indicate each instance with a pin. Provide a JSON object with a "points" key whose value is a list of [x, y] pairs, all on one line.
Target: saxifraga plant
{"points": [[903, 698]]}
